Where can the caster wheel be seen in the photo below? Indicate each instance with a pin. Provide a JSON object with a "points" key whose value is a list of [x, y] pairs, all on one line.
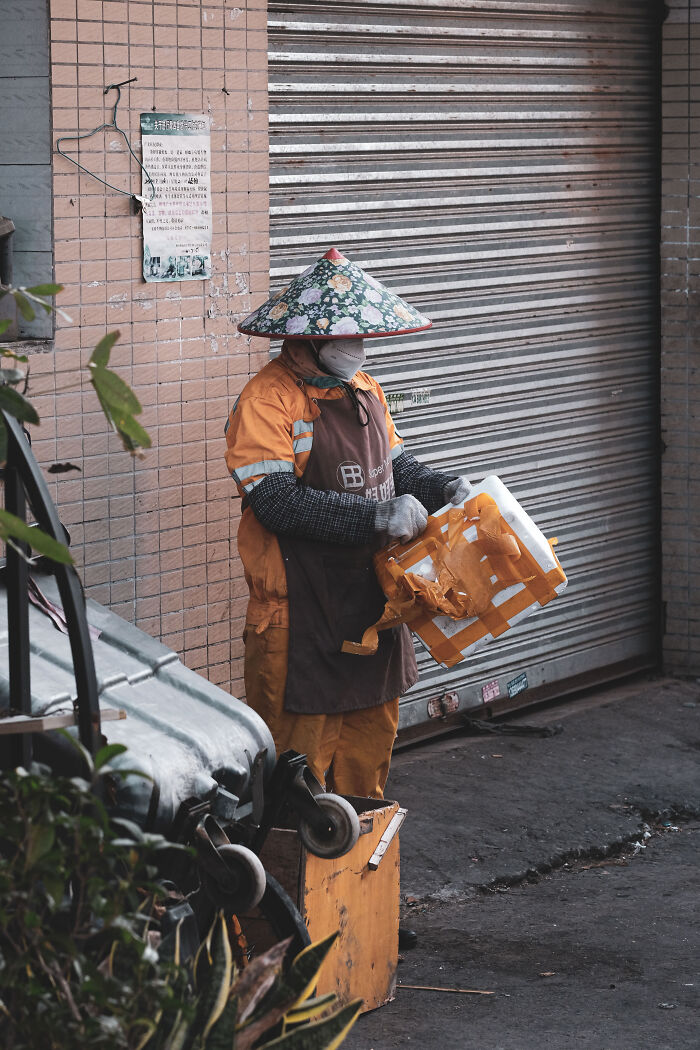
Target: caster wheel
{"points": [[345, 833], [242, 885]]}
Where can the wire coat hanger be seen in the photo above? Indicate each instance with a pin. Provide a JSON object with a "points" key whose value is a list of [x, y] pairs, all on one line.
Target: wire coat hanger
{"points": [[104, 127]]}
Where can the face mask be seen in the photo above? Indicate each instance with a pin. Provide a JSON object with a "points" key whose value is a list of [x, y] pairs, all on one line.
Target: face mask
{"points": [[342, 357]]}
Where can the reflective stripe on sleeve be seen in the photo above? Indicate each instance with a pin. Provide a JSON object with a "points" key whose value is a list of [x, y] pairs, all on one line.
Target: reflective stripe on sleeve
{"points": [[265, 466], [303, 444], [397, 451], [302, 427]]}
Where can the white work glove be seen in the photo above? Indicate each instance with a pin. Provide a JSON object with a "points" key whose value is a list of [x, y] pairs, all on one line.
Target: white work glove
{"points": [[457, 490], [402, 518]]}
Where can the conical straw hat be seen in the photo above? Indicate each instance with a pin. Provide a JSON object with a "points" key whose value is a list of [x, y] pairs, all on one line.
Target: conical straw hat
{"points": [[333, 298]]}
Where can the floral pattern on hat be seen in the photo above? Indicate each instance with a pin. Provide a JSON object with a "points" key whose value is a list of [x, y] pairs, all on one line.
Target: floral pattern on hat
{"points": [[334, 297]]}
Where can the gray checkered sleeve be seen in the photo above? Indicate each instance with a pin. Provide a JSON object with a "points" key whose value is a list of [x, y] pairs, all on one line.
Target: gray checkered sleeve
{"points": [[426, 484], [284, 505]]}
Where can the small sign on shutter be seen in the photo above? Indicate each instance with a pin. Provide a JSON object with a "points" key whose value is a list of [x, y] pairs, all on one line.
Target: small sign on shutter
{"points": [[420, 396], [396, 403], [518, 685], [442, 706], [490, 691], [399, 401]]}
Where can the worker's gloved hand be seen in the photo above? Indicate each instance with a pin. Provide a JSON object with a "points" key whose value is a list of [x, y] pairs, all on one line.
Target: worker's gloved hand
{"points": [[457, 490], [402, 518]]}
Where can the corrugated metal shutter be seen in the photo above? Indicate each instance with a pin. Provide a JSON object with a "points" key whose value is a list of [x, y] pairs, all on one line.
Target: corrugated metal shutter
{"points": [[496, 163]]}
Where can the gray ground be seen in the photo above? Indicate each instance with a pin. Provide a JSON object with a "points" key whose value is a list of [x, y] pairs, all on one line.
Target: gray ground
{"points": [[560, 873]]}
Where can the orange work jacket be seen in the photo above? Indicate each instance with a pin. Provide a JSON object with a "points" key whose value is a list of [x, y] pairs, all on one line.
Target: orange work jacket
{"points": [[270, 429]]}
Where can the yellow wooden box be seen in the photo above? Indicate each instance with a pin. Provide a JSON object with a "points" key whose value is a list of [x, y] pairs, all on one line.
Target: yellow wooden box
{"points": [[357, 894]]}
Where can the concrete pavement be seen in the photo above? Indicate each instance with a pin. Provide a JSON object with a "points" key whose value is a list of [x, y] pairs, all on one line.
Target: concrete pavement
{"points": [[559, 873]]}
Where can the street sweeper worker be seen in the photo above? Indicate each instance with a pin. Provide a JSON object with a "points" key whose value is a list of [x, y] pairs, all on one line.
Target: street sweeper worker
{"points": [[325, 482]]}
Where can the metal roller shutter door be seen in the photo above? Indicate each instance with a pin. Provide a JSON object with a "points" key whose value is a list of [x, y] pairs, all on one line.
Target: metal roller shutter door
{"points": [[496, 164]]}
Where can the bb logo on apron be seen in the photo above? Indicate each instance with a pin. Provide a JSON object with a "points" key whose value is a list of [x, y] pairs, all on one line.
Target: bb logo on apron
{"points": [[351, 476]]}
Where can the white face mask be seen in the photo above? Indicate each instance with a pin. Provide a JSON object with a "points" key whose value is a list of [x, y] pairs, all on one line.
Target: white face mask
{"points": [[342, 357]]}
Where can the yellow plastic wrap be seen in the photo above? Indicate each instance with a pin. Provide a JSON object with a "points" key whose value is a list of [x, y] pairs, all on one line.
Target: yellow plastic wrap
{"points": [[481, 576]]}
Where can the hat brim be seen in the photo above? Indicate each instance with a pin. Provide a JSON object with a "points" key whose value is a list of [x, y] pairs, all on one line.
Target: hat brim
{"points": [[316, 338], [334, 299]]}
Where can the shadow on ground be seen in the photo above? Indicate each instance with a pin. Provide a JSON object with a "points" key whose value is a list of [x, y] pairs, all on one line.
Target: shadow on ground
{"points": [[561, 874]]}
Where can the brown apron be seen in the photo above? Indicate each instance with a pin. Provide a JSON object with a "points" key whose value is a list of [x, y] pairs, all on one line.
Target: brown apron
{"points": [[333, 590]]}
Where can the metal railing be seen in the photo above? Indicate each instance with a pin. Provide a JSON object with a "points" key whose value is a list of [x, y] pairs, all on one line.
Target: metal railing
{"points": [[24, 484]]}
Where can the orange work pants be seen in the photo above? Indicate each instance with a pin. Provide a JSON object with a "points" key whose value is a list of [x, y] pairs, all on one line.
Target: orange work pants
{"points": [[349, 752]]}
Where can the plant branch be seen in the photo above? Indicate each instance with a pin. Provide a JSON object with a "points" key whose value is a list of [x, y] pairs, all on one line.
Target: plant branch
{"points": [[55, 974]]}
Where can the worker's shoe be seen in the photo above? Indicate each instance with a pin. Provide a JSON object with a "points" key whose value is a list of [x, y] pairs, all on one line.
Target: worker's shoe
{"points": [[407, 938]]}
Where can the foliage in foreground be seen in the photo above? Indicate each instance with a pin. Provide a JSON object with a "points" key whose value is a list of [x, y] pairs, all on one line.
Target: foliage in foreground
{"points": [[260, 1007], [117, 401], [77, 903], [80, 904]]}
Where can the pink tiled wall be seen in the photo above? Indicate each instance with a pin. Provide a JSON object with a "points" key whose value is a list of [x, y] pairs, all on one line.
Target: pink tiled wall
{"points": [[155, 538]]}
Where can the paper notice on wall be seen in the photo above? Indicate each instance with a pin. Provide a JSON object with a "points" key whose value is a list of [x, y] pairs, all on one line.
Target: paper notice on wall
{"points": [[177, 222]]}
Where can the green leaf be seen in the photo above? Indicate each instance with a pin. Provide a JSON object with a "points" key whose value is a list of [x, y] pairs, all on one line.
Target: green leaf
{"points": [[23, 305], [216, 991], [112, 389], [322, 1035], [13, 528], [4, 325], [132, 434], [223, 1034], [6, 352], [177, 1040], [40, 840], [100, 355], [310, 1008], [124, 773], [17, 405], [45, 289], [295, 986], [54, 884], [117, 399], [108, 752], [301, 977], [81, 784], [134, 830], [45, 306], [150, 1028], [203, 960]]}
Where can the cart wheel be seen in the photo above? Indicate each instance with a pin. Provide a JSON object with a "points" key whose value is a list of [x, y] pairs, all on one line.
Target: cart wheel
{"points": [[345, 833], [244, 884]]}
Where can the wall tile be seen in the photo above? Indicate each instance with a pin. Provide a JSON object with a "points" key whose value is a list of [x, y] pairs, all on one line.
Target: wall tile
{"points": [[153, 536]]}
